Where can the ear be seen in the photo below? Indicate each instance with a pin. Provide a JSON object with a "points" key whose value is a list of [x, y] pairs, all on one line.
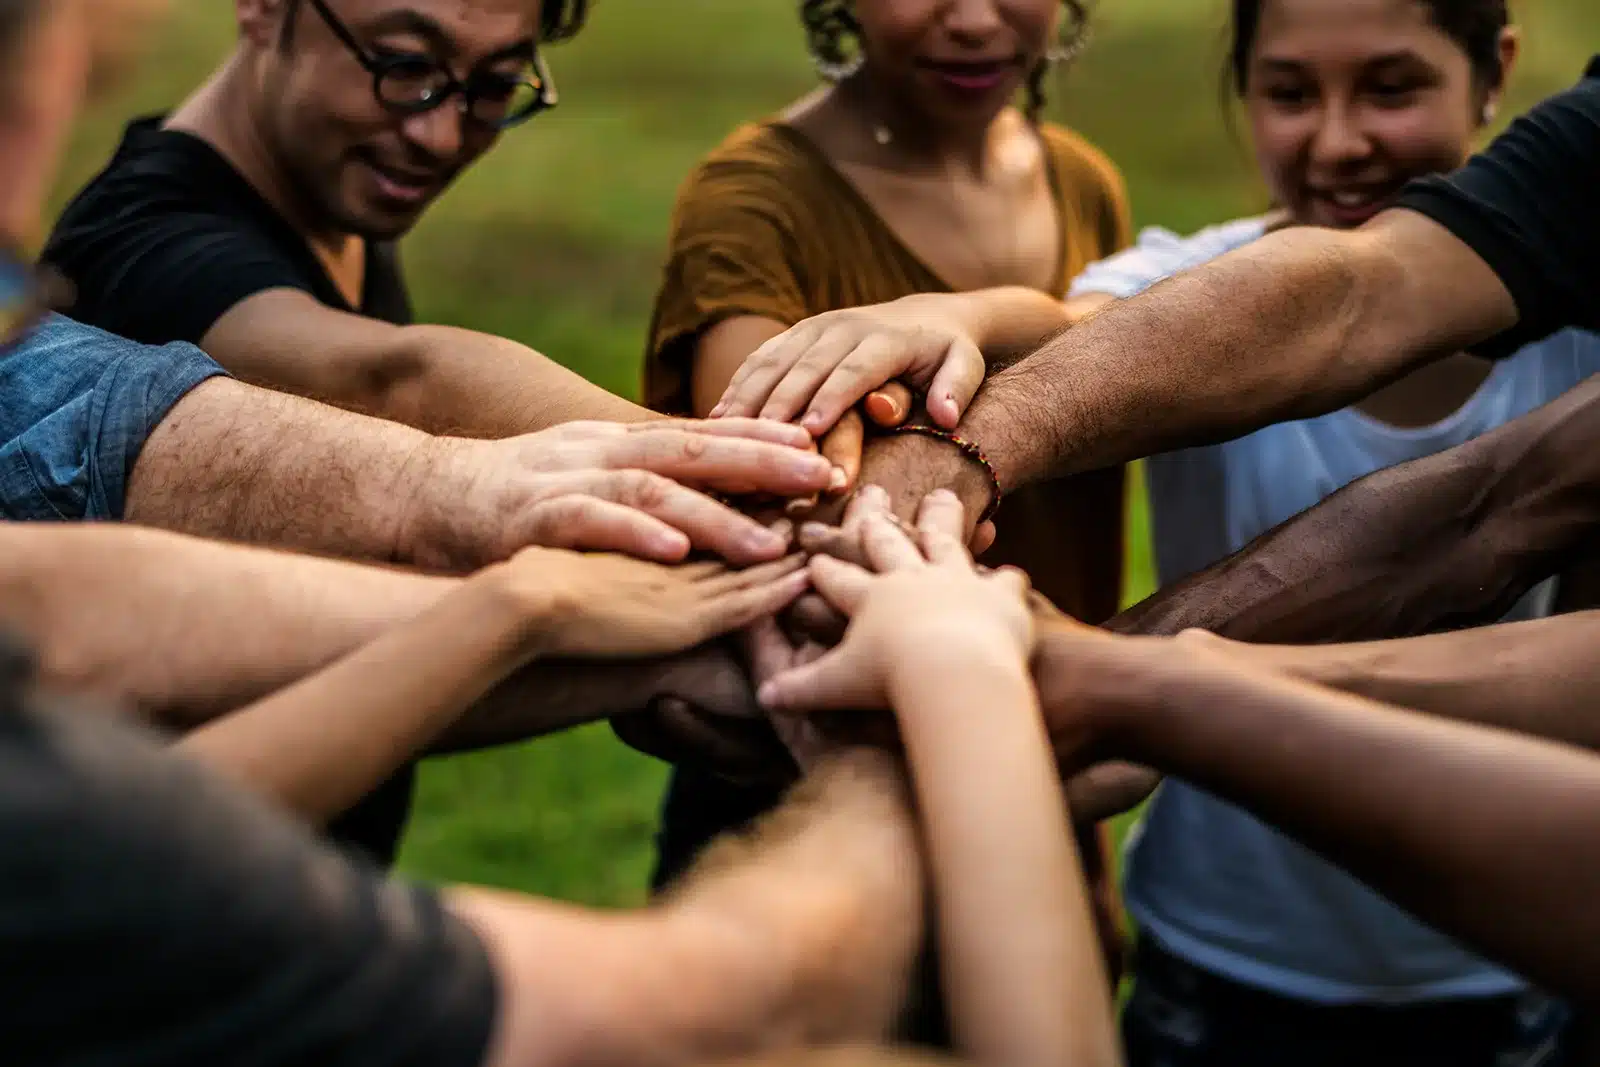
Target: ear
{"points": [[1510, 47], [261, 21]]}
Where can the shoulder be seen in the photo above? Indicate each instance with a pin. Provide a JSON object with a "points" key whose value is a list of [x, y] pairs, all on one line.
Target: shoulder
{"points": [[761, 157], [1159, 253]]}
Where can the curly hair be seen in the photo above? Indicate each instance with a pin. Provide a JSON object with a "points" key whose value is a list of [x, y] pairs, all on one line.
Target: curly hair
{"points": [[830, 24]]}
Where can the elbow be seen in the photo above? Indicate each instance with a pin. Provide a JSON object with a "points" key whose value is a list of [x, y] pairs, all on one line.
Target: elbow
{"points": [[391, 382]]}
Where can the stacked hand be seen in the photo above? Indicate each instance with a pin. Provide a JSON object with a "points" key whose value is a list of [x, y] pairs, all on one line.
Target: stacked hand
{"points": [[636, 488]]}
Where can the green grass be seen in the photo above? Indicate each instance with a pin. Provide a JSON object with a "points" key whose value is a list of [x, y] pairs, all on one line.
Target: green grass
{"points": [[556, 238]]}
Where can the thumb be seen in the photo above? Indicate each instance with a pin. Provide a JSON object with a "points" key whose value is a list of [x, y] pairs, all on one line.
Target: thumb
{"points": [[830, 683]]}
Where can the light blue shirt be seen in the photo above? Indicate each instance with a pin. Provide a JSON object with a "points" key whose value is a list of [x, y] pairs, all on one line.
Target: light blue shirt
{"points": [[1214, 885], [76, 406]]}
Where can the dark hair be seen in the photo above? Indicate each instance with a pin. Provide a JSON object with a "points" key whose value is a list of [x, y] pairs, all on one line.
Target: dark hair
{"points": [[1474, 25], [559, 20], [829, 22], [15, 15]]}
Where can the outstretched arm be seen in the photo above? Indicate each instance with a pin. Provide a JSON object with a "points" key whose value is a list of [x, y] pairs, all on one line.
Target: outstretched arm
{"points": [[183, 630], [1445, 541], [1484, 833]]}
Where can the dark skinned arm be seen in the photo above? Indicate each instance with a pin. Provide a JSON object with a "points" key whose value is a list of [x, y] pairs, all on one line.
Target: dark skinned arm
{"points": [[1485, 834]]}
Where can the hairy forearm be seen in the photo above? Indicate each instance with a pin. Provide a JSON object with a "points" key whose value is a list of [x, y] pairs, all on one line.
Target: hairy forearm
{"points": [[801, 934], [469, 384], [1014, 910], [1536, 677], [235, 462], [1295, 324], [1486, 834], [1445, 541]]}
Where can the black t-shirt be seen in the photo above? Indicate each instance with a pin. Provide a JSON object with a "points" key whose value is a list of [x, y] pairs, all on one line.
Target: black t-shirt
{"points": [[1529, 206], [169, 236], [152, 914], [159, 245]]}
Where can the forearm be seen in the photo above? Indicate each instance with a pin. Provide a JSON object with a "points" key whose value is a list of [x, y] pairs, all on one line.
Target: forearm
{"points": [[321, 744], [1537, 677], [182, 630], [1296, 324], [801, 934], [470, 384], [239, 463], [1014, 912], [1485, 834], [1446, 541]]}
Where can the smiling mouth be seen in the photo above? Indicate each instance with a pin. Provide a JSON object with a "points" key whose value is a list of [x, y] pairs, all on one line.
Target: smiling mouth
{"points": [[1356, 204], [404, 186], [971, 75]]}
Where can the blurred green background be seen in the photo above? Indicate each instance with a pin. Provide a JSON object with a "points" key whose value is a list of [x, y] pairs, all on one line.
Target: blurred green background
{"points": [[555, 240]]}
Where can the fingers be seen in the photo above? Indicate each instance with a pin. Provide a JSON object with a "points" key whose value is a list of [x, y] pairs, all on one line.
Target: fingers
{"points": [[591, 524], [843, 585], [753, 382], [581, 518], [941, 522], [887, 546], [717, 580], [821, 540], [842, 448], [877, 359], [889, 405], [735, 608], [832, 682], [730, 464], [795, 389], [958, 381], [773, 433]]}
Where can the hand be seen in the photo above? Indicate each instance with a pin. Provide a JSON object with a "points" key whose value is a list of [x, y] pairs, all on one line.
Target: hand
{"points": [[701, 712], [605, 487], [915, 607], [610, 606], [826, 364]]}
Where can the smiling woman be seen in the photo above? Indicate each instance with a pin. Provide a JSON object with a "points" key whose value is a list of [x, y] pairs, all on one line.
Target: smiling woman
{"points": [[1252, 948]]}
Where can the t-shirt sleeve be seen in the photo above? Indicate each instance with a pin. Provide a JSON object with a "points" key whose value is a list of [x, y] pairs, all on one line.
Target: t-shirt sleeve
{"points": [[76, 407], [1527, 206], [733, 251], [153, 265], [150, 913]]}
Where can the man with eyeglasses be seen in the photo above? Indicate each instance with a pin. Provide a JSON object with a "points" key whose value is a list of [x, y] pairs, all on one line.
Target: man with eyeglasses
{"points": [[259, 219]]}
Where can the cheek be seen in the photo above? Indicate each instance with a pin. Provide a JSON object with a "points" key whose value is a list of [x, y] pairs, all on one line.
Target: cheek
{"points": [[1035, 23], [1280, 142], [1422, 140]]}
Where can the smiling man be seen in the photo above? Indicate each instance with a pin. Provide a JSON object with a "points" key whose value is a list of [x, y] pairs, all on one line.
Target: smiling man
{"points": [[260, 219]]}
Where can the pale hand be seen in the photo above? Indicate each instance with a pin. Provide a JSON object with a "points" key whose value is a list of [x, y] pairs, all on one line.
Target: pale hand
{"points": [[920, 601], [825, 365], [608, 606], [630, 488]]}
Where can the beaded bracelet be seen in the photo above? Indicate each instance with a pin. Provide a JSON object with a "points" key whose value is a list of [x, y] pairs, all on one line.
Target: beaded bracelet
{"points": [[969, 449]]}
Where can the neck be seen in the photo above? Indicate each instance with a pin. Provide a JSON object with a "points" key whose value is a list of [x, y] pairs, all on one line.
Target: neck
{"points": [[912, 136], [222, 113]]}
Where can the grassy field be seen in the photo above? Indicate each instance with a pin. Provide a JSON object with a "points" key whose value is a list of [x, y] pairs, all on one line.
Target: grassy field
{"points": [[556, 239]]}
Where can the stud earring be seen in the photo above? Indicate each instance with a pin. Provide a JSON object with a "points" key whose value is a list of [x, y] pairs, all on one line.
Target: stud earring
{"points": [[1488, 113]]}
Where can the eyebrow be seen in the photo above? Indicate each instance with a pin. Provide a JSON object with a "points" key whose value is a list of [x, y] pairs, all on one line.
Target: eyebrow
{"points": [[405, 20], [1382, 59]]}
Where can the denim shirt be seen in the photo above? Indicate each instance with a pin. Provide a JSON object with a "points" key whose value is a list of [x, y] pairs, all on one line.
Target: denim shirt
{"points": [[76, 407]]}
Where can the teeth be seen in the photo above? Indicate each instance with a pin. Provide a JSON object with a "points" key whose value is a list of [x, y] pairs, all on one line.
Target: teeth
{"points": [[1345, 199]]}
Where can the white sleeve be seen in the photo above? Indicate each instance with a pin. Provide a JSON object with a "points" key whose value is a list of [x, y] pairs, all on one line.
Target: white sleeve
{"points": [[1158, 254]]}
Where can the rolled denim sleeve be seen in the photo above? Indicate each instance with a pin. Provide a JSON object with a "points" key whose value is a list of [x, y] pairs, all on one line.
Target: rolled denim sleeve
{"points": [[76, 407]]}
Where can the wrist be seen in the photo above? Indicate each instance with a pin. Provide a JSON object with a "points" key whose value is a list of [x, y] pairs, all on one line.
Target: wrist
{"points": [[427, 532], [1107, 684]]}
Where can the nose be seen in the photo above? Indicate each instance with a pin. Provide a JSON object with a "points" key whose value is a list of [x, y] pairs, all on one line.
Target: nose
{"points": [[1339, 138], [973, 22], [438, 133]]}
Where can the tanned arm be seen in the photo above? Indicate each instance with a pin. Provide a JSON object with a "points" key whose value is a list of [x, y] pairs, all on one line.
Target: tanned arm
{"points": [[439, 378], [803, 933], [1486, 834]]}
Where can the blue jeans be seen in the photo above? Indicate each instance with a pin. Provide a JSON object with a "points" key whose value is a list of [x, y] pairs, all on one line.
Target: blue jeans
{"points": [[1181, 1016]]}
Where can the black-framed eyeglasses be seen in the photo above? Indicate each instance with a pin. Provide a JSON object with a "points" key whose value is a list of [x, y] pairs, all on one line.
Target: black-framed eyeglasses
{"points": [[27, 293], [413, 83]]}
